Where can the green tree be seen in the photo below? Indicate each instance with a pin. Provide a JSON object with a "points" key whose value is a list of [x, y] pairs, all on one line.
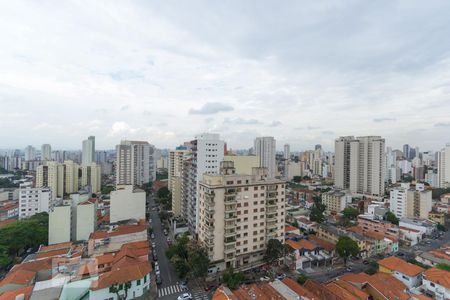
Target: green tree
{"points": [[5, 258], [297, 179], [274, 251], [346, 247], [181, 266], [441, 227], [443, 266], [390, 217], [302, 279], [199, 261], [107, 189], [116, 288], [232, 279], [350, 213], [163, 192], [316, 213]]}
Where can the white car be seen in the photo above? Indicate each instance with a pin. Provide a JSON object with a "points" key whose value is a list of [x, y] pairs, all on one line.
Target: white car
{"points": [[157, 271], [265, 278], [185, 296]]}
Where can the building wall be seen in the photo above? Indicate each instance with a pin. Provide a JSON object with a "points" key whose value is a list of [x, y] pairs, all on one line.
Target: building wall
{"points": [[134, 291], [126, 204], [243, 164], [59, 225], [86, 221], [441, 292], [265, 148], [398, 201], [33, 201]]}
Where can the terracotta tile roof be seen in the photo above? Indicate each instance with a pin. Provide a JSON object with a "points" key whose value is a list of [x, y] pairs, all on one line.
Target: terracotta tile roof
{"points": [[250, 292], [355, 278], [55, 247], [301, 244], [438, 276], [297, 288], [224, 293], [288, 228], [34, 265], [389, 286], [269, 291], [20, 277], [51, 253], [12, 294], [322, 243], [320, 291], [409, 229], [106, 258], [9, 206], [89, 201], [121, 230], [397, 264], [347, 290], [122, 274]]}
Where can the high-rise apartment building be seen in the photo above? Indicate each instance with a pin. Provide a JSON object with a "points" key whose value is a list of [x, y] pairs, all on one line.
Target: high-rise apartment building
{"points": [[265, 148], [88, 154], [33, 200], [30, 153], [287, 152], [238, 215], [176, 163], [134, 163], [399, 200], [91, 175], [360, 164], [443, 166], [406, 202], [207, 151], [46, 152], [336, 201], [60, 178]]}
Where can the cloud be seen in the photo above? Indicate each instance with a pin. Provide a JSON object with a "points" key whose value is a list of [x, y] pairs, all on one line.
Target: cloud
{"points": [[211, 108], [275, 123], [379, 120], [122, 129], [241, 121], [125, 107], [442, 124], [123, 75]]}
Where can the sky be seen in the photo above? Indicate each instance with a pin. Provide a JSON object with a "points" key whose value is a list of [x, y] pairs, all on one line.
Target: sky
{"points": [[164, 71]]}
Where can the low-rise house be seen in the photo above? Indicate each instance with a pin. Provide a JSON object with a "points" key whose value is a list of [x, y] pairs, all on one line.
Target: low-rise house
{"points": [[436, 282], [438, 217], [9, 210], [288, 229], [305, 224], [434, 257], [407, 273], [306, 255]]}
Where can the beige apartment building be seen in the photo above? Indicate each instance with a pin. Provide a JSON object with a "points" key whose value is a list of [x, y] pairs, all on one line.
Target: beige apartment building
{"points": [[91, 175], [243, 164], [176, 163], [60, 178], [239, 214], [336, 200]]}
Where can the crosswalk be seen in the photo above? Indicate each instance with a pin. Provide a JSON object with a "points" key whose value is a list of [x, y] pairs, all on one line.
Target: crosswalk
{"points": [[169, 290], [198, 294]]}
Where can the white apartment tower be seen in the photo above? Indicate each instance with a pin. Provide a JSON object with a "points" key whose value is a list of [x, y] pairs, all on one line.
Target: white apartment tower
{"points": [[33, 200], [265, 148], [360, 164], [91, 176], [30, 153], [134, 163], [443, 164], [46, 152], [399, 200], [207, 153], [88, 154], [238, 215], [287, 152], [406, 202]]}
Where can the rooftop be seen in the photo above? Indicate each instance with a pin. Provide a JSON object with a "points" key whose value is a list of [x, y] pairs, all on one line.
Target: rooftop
{"points": [[399, 265], [438, 276]]}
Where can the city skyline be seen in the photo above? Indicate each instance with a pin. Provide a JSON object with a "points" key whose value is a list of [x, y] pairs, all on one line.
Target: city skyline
{"points": [[303, 73]]}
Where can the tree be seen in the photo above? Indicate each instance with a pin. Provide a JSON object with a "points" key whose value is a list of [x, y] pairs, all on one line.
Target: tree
{"points": [[346, 247], [297, 179], [232, 279], [274, 251], [116, 288], [441, 227], [316, 213], [390, 217], [5, 258], [107, 189], [163, 192], [199, 261], [350, 213], [181, 266], [443, 266], [302, 279]]}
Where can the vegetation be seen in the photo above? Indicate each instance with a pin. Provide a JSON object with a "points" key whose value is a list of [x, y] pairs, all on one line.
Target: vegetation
{"points": [[298, 179], [445, 267], [162, 174], [413, 261], [350, 213], [6, 183], [188, 258], [437, 193], [232, 279], [373, 267], [441, 227], [408, 178], [302, 279], [390, 217], [274, 251], [346, 247], [116, 288], [164, 197], [21, 235], [317, 210], [107, 189]]}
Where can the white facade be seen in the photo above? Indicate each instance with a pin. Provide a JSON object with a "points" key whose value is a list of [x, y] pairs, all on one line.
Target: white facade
{"points": [[435, 283], [409, 281], [360, 164], [443, 164], [134, 163], [398, 200], [127, 203], [175, 173], [91, 175], [46, 152], [88, 154], [265, 148], [86, 220], [287, 151], [60, 225], [30, 153], [135, 291], [33, 200]]}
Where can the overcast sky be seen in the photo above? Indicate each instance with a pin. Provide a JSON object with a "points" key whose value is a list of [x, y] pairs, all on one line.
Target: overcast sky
{"points": [[164, 71]]}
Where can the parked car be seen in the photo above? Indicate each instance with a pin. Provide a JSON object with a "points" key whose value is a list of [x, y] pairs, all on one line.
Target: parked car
{"points": [[165, 232], [366, 262], [155, 257], [265, 278], [158, 279], [183, 285], [185, 296], [211, 287], [153, 245], [280, 276], [169, 241], [348, 269], [152, 236], [157, 270]]}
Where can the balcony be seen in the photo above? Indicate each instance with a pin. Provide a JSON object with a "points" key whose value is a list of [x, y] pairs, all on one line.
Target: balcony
{"points": [[230, 217], [230, 192], [230, 233], [271, 225], [230, 209], [271, 195], [271, 204], [209, 209], [271, 234], [271, 219], [230, 199], [229, 250], [230, 225]]}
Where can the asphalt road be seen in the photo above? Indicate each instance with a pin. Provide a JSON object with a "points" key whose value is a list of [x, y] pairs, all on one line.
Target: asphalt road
{"points": [[169, 289]]}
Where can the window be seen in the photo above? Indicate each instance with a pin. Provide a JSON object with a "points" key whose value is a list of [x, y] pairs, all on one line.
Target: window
{"points": [[246, 189], [255, 195], [255, 210], [145, 278], [255, 188], [138, 282], [255, 232], [262, 194], [255, 217], [246, 211], [255, 202]]}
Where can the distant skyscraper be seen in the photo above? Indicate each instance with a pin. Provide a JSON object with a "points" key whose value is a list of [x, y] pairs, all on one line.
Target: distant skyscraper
{"points": [[317, 147], [360, 164], [88, 155], [134, 163], [30, 153], [443, 164], [406, 150], [46, 152], [287, 151], [265, 149]]}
